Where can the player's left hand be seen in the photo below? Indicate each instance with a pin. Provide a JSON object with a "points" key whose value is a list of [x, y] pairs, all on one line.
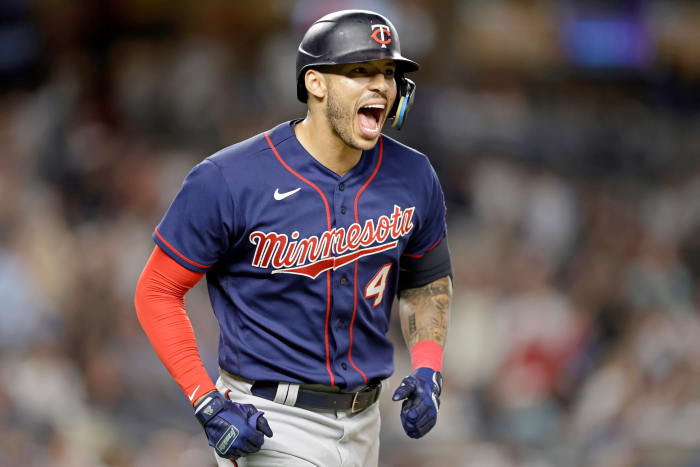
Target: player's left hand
{"points": [[421, 391]]}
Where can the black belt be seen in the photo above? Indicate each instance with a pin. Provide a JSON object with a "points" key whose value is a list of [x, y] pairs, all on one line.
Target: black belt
{"points": [[311, 399]]}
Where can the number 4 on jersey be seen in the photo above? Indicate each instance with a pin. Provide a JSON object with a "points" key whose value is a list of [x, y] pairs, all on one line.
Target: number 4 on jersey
{"points": [[377, 285]]}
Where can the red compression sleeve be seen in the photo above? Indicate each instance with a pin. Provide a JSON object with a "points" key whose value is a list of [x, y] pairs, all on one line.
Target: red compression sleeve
{"points": [[160, 307]]}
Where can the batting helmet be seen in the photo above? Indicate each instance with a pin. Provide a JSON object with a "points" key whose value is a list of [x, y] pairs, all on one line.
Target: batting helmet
{"points": [[354, 36]]}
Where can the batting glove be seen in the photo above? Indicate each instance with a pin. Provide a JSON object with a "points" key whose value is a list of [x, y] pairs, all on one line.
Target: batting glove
{"points": [[234, 430], [421, 391]]}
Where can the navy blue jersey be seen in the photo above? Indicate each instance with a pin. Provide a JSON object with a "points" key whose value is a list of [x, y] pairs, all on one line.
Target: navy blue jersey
{"points": [[301, 263]]}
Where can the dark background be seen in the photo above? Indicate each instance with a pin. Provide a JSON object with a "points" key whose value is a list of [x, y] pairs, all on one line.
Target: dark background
{"points": [[567, 138]]}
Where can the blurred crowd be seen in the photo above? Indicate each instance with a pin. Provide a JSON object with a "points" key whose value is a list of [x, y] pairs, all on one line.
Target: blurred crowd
{"points": [[571, 169]]}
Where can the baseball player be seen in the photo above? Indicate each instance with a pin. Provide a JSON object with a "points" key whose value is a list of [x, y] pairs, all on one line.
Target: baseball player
{"points": [[306, 233]]}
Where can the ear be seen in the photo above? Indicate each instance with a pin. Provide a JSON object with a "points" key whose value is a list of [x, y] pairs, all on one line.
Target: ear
{"points": [[315, 83]]}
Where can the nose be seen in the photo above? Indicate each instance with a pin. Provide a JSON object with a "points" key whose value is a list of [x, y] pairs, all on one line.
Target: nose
{"points": [[380, 83]]}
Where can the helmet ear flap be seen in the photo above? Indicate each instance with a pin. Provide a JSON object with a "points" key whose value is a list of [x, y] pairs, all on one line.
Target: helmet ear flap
{"points": [[404, 101]]}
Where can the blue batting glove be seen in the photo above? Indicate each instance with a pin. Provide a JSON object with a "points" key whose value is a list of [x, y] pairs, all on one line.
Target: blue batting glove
{"points": [[234, 430], [421, 391]]}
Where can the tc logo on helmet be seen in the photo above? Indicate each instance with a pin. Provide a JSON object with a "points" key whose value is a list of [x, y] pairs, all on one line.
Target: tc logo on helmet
{"points": [[381, 34]]}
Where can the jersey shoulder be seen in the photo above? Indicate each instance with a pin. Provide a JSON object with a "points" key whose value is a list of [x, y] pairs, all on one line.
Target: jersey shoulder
{"points": [[404, 158], [248, 151]]}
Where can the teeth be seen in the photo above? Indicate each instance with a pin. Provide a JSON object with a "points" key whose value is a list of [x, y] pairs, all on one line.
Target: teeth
{"points": [[373, 106]]}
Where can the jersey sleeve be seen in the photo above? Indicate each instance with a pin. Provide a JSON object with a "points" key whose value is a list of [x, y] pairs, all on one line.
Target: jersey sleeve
{"points": [[430, 229], [197, 227]]}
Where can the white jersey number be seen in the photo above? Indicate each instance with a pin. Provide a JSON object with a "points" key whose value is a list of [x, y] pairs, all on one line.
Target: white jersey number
{"points": [[377, 285]]}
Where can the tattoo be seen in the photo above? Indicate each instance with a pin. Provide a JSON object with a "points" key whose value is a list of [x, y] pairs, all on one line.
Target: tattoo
{"points": [[424, 311], [412, 323]]}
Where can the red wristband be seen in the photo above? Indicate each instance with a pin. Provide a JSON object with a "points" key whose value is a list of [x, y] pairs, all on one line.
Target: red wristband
{"points": [[427, 354]]}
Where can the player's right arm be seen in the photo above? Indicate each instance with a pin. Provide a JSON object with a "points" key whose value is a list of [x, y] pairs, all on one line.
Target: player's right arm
{"points": [[191, 237], [234, 430], [160, 307]]}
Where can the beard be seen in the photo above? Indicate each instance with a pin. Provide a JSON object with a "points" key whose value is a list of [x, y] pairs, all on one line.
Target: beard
{"points": [[340, 119]]}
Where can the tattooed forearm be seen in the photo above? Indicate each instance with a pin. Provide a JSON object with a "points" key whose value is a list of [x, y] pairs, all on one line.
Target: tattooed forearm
{"points": [[425, 311]]}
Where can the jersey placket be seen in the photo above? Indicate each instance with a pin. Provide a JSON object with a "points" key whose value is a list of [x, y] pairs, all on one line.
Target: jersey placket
{"points": [[343, 287], [345, 198]]}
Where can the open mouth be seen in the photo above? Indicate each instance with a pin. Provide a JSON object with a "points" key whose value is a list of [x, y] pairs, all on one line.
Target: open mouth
{"points": [[370, 119]]}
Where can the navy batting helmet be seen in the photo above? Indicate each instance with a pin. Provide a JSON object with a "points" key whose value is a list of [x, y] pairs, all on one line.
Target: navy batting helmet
{"points": [[354, 36]]}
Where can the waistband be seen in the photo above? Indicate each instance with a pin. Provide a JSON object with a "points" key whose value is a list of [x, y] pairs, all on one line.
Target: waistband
{"points": [[313, 396]]}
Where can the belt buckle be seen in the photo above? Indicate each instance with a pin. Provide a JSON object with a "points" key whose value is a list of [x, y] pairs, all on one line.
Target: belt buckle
{"points": [[354, 408]]}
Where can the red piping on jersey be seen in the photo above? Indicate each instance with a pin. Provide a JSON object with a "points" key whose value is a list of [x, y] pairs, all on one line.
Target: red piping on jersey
{"points": [[178, 253], [426, 251], [354, 306], [328, 274]]}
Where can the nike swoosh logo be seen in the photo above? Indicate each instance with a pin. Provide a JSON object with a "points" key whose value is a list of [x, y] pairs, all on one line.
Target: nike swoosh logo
{"points": [[191, 396], [280, 196]]}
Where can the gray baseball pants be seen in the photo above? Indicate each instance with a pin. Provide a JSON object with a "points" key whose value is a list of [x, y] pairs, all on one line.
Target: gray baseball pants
{"points": [[305, 438]]}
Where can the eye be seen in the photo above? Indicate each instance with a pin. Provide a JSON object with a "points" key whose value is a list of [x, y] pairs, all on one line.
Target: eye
{"points": [[389, 72], [359, 70]]}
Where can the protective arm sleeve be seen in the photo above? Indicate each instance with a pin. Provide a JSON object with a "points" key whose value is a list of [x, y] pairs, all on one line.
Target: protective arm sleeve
{"points": [[160, 307]]}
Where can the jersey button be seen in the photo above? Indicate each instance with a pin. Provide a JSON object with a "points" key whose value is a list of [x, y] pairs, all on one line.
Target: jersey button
{"points": [[343, 280], [344, 365], [343, 210], [341, 187], [340, 324]]}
